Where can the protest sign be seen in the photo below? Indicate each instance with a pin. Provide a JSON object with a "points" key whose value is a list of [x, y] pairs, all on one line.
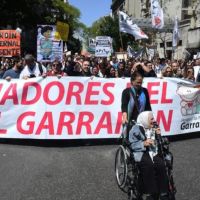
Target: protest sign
{"points": [[103, 46], [48, 48], [62, 31], [92, 45], [9, 43]]}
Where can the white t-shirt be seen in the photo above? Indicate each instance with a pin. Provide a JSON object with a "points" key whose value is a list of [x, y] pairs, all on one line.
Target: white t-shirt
{"points": [[27, 71], [196, 71]]}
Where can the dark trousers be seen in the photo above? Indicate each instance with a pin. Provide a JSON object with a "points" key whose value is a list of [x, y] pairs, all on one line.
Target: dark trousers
{"points": [[153, 175]]}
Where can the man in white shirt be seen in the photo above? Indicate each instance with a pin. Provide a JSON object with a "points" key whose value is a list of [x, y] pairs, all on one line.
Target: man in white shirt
{"points": [[32, 69]]}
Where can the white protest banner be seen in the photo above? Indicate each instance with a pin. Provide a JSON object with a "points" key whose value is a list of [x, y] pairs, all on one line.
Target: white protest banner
{"points": [[103, 46], [157, 15], [48, 47], [81, 108]]}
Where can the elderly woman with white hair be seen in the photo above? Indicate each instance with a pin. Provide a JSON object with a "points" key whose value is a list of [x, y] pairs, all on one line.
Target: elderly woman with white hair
{"points": [[142, 137]]}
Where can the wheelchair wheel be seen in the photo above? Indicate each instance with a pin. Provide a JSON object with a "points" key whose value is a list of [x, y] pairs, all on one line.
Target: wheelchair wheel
{"points": [[134, 192], [134, 196], [121, 169]]}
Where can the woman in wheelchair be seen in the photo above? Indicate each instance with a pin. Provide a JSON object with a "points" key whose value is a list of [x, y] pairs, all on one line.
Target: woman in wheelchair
{"points": [[143, 143]]}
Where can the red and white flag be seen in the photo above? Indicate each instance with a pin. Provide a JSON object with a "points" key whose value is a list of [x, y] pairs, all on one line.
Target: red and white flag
{"points": [[126, 25], [157, 15]]}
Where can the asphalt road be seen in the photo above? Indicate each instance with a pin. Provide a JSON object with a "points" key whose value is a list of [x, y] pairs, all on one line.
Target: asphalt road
{"points": [[37, 170]]}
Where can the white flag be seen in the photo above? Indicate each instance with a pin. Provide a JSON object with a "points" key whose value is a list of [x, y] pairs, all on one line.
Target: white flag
{"points": [[134, 54], [157, 15], [126, 25], [176, 34]]}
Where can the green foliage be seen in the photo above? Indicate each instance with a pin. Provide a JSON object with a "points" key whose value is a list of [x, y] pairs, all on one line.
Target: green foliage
{"points": [[108, 26], [26, 14]]}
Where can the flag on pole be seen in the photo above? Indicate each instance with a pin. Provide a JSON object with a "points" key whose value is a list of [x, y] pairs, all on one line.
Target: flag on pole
{"points": [[126, 25], [176, 34], [186, 55], [157, 15], [134, 54]]}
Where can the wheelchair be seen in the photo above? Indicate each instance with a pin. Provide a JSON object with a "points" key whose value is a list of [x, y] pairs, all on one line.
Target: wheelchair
{"points": [[127, 171]]}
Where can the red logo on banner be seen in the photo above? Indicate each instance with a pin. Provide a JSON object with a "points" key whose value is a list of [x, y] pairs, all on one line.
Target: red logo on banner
{"points": [[157, 20]]}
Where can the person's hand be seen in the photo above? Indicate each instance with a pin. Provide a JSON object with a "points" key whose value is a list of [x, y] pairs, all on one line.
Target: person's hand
{"points": [[59, 76], [124, 121], [92, 77], [25, 77], [8, 78], [124, 118], [136, 64], [44, 75], [158, 131], [148, 142]]}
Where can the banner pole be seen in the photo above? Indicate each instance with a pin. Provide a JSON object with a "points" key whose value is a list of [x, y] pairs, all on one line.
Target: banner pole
{"points": [[120, 36]]}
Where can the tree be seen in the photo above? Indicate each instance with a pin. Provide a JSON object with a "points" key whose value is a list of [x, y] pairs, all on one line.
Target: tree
{"points": [[109, 26], [27, 14]]}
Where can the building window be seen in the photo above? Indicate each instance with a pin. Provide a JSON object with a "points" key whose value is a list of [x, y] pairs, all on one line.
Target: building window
{"points": [[180, 43], [185, 15], [162, 45], [169, 44], [186, 3]]}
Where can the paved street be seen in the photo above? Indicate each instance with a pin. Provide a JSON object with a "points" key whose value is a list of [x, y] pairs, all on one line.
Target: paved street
{"points": [[32, 170]]}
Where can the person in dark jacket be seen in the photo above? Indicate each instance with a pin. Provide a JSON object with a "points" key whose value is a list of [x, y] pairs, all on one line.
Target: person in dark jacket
{"points": [[134, 99]]}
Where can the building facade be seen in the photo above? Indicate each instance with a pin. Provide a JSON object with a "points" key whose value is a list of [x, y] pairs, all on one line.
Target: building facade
{"points": [[188, 13]]}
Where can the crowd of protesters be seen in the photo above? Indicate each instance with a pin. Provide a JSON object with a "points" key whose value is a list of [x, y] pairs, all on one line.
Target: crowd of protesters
{"points": [[78, 65]]}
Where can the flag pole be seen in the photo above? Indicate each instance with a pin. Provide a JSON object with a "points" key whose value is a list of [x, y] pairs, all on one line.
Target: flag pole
{"points": [[121, 41], [172, 58], [120, 36]]}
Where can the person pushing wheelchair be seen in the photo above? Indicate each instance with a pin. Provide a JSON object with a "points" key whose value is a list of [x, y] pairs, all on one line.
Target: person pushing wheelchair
{"points": [[134, 99]]}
